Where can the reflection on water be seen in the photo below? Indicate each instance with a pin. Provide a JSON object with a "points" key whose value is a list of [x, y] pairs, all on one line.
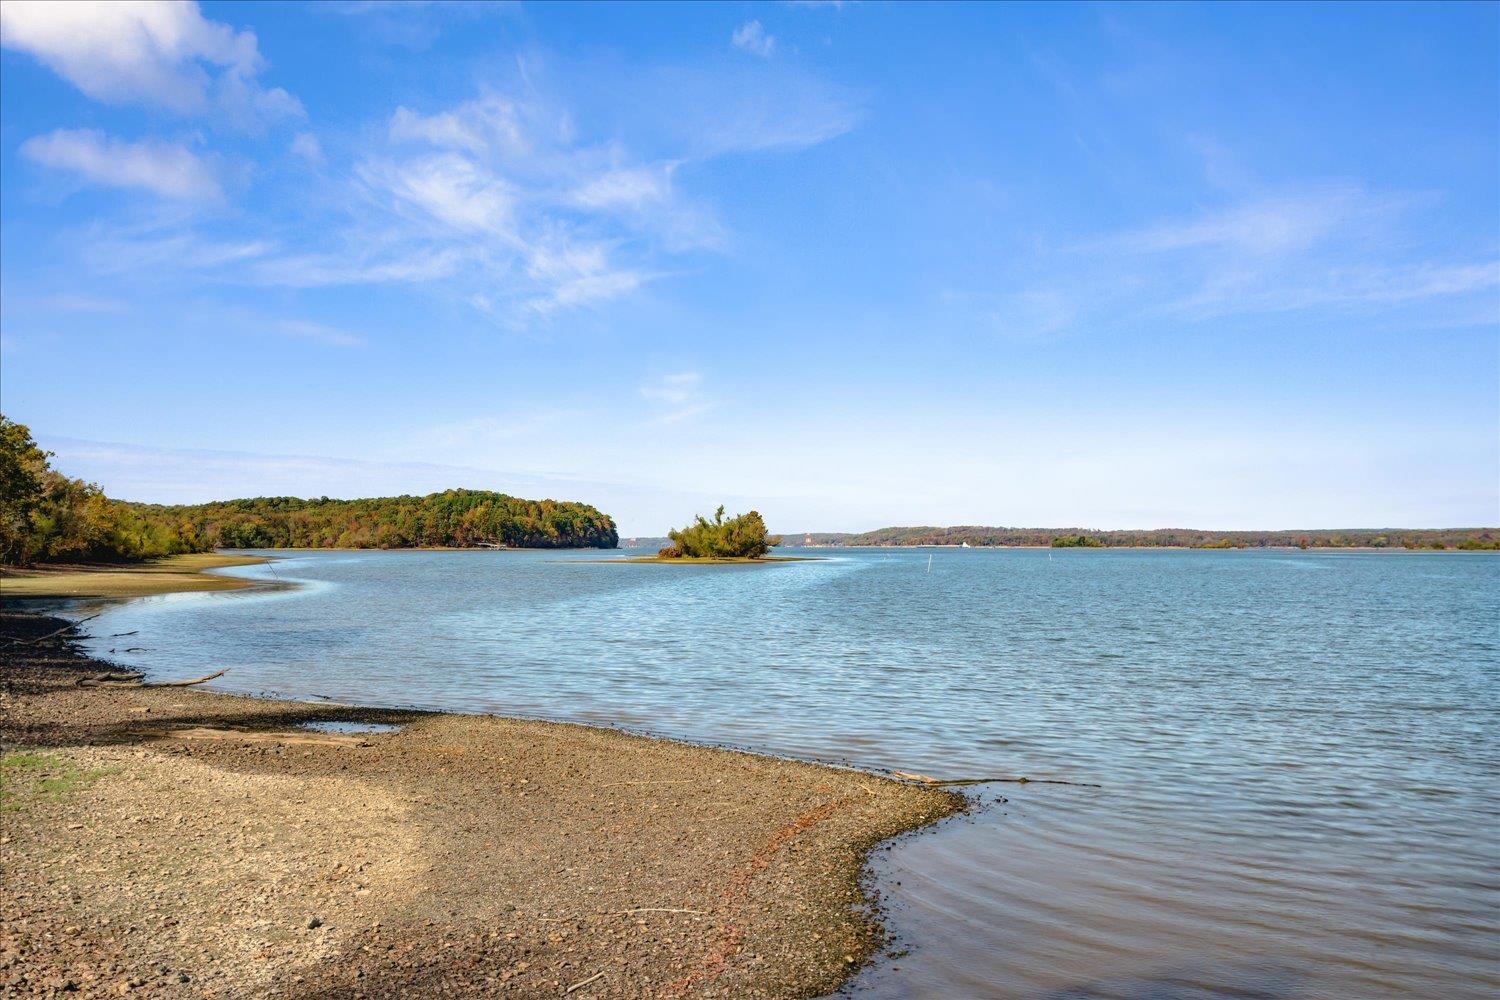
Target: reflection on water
{"points": [[1296, 753]]}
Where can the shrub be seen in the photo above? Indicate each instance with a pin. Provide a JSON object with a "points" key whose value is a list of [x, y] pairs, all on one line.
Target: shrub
{"points": [[742, 537]]}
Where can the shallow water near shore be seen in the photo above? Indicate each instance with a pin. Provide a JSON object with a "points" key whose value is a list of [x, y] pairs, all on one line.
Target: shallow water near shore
{"points": [[1297, 753]]}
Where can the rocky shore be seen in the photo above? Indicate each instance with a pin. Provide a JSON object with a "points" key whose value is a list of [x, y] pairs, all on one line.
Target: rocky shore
{"points": [[163, 841]]}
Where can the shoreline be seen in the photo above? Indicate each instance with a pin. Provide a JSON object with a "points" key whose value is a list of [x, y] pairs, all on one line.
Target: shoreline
{"points": [[172, 575], [532, 855]]}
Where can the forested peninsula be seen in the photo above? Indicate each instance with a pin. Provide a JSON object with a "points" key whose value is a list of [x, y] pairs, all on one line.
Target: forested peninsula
{"points": [[453, 518], [47, 517]]}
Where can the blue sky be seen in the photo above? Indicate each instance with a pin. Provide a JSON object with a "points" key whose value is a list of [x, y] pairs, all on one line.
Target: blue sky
{"points": [[853, 265]]}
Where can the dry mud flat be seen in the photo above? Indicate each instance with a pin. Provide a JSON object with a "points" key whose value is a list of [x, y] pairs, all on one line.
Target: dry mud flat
{"points": [[177, 842]]}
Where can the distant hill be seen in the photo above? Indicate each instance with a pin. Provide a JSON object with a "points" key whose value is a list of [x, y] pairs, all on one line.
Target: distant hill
{"points": [[1191, 538]]}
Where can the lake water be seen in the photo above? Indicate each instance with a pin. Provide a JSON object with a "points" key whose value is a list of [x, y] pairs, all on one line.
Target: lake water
{"points": [[1296, 753]]}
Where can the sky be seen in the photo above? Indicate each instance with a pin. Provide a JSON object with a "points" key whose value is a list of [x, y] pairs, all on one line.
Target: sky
{"points": [[849, 264]]}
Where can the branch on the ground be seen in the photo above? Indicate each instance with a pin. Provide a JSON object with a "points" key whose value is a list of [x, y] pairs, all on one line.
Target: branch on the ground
{"points": [[113, 681], [93, 680]]}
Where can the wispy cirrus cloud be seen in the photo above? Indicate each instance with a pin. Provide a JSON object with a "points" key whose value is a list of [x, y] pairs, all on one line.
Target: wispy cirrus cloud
{"points": [[1272, 225], [676, 396], [169, 170], [1336, 249], [498, 196], [172, 249], [160, 53]]}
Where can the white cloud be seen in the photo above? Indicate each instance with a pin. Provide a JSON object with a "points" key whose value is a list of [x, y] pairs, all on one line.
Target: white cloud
{"points": [[1275, 225], [307, 146], [1331, 249], [166, 169], [154, 52], [535, 220], [1365, 285], [677, 396], [750, 107], [452, 189], [496, 201], [627, 188], [751, 37], [586, 290], [381, 266], [157, 253], [473, 127]]}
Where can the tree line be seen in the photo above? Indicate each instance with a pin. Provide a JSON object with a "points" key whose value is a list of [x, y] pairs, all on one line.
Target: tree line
{"points": [[453, 518], [46, 516], [1191, 538]]}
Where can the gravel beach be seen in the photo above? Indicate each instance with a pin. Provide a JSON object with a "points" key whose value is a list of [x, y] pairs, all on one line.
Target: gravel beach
{"points": [[163, 841]]}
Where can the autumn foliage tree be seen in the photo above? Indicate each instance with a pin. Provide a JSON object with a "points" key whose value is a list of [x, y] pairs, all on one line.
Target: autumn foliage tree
{"points": [[47, 517]]}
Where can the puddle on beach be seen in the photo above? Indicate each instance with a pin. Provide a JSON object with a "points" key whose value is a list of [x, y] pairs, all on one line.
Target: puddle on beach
{"points": [[341, 726]]}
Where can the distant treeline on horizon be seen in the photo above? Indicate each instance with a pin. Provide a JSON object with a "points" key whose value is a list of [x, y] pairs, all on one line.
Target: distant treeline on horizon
{"points": [[1188, 538]]}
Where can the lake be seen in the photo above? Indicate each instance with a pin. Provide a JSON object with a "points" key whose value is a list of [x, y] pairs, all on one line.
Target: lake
{"points": [[1296, 754]]}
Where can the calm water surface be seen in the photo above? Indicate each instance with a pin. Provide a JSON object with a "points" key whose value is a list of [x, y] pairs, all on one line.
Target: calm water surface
{"points": [[1297, 752]]}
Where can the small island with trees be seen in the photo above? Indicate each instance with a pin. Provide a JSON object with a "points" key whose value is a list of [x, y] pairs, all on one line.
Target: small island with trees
{"points": [[739, 539]]}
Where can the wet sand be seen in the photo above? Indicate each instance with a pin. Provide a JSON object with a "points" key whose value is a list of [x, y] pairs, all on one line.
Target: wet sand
{"points": [[178, 842], [159, 576]]}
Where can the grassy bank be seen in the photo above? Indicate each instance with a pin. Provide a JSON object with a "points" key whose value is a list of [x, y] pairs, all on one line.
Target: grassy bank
{"points": [[159, 576]]}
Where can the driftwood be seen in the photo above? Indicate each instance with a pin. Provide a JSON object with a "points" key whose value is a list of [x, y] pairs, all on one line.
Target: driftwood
{"points": [[134, 681], [93, 680], [580, 985], [183, 684], [924, 779]]}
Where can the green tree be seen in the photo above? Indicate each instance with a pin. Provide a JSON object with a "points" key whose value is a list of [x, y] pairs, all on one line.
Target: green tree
{"points": [[742, 537], [23, 467]]}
